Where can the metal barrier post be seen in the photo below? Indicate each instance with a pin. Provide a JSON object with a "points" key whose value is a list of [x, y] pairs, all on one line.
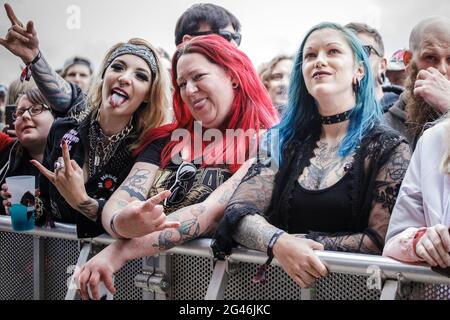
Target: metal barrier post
{"points": [[72, 293], [218, 282], [38, 269], [389, 290]]}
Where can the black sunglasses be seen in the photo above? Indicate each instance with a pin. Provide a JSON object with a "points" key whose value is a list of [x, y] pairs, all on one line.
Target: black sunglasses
{"points": [[368, 49], [227, 35], [185, 172]]}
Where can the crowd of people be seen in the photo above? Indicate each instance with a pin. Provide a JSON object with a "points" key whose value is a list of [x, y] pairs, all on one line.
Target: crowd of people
{"points": [[332, 148]]}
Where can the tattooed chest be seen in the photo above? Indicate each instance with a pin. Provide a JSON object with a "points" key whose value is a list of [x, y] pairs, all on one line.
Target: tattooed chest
{"points": [[326, 167]]}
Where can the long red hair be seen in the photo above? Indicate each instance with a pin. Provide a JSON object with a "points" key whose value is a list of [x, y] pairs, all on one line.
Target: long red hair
{"points": [[251, 107]]}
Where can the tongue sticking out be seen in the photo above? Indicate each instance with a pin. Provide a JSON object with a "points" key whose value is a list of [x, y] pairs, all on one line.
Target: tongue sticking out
{"points": [[116, 100]]}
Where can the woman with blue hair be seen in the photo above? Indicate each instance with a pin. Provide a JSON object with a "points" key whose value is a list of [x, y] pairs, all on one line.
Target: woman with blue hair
{"points": [[335, 170]]}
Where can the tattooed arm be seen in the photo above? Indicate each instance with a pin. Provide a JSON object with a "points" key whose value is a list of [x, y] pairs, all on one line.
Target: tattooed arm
{"points": [[196, 220], [244, 223], [387, 185], [254, 232], [56, 90], [252, 197], [89, 209], [22, 41], [131, 195]]}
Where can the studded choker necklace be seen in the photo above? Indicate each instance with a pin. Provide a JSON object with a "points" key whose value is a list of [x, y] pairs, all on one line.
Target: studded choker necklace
{"points": [[340, 117]]}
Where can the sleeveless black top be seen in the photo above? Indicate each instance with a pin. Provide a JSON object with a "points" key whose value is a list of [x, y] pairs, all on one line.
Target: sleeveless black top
{"points": [[325, 210]]}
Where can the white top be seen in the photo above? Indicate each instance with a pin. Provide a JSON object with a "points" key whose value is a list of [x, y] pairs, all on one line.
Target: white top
{"points": [[423, 200]]}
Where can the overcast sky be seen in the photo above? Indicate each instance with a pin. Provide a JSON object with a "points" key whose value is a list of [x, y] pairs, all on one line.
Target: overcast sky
{"points": [[269, 27]]}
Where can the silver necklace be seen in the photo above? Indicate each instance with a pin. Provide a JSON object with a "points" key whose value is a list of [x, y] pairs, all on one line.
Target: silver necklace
{"points": [[102, 148]]}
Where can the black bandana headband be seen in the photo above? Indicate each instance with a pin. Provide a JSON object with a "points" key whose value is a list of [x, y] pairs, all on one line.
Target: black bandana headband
{"points": [[137, 50]]}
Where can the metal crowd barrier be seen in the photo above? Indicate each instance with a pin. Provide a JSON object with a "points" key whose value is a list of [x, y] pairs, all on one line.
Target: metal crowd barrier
{"points": [[39, 264]]}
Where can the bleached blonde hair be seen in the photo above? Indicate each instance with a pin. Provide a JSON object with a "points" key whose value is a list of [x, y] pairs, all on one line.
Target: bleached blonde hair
{"points": [[159, 98]]}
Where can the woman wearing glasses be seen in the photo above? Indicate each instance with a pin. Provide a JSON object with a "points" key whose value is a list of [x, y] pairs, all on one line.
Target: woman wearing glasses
{"points": [[217, 91], [129, 96], [32, 120], [339, 169]]}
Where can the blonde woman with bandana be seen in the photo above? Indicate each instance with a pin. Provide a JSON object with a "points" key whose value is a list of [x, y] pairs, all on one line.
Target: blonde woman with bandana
{"points": [[89, 152]]}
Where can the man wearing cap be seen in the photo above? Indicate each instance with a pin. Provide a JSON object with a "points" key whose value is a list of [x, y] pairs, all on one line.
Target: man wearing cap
{"points": [[427, 91], [395, 70], [78, 70], [372, 43]]}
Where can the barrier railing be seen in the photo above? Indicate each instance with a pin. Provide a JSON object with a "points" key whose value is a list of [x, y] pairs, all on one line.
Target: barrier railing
{"points": [[38, 265]]}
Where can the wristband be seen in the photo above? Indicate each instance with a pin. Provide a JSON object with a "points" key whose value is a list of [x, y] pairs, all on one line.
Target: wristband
{"points": [[272, 242], [26, 72], [113, 228], [261, 275]]}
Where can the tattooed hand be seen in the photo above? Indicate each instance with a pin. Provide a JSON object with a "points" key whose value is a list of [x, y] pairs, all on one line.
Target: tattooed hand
{"points": [[21, 40], [140, 218], [69, 180]]}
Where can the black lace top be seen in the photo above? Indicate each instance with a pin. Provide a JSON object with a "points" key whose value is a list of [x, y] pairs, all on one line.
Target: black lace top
{"points": [[380, 162]]}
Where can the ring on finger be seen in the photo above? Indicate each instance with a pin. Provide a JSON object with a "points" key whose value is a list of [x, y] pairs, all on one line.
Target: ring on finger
{"points": [[58, 165]]}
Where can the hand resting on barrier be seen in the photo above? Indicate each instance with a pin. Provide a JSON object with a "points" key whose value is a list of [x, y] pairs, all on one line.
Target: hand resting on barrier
{"points": [[434, 246], [100, 269]]}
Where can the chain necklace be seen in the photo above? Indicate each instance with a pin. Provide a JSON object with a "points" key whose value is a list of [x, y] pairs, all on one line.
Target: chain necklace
{"points": [[102, 147]]}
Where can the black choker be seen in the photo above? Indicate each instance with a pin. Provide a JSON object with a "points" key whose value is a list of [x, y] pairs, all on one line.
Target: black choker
{"points": [[336, 118]]}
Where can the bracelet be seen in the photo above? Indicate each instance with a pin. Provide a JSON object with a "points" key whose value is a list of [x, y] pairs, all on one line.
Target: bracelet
{"points": [[261, 275], [26, 72], [272, 242], [113, 228]]}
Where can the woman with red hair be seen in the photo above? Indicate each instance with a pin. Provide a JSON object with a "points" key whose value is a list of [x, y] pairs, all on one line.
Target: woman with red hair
{"points": [[221, 108]]}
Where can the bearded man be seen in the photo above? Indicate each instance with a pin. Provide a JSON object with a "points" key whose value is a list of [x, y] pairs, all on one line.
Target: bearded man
{"points": [[427, 90]]}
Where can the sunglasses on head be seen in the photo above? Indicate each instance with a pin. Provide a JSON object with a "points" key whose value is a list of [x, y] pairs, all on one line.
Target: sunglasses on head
{"points": [[227, 35], [186, 171], [368, 50]]}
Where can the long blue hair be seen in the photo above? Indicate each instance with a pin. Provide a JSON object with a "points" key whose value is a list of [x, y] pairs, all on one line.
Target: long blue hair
{"points": [[302, 119]]}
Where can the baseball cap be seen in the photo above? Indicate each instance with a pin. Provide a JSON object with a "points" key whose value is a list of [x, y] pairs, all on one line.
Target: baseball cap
{"points": [[396, 62]]}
